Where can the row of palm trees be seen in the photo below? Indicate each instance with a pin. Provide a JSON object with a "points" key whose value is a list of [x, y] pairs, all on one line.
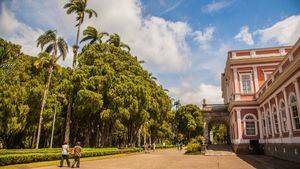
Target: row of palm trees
{"points": [[56, 48]]}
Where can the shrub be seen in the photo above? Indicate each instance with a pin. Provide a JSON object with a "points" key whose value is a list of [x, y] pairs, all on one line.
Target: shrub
{"points": [[32, 155], [193, 146]]}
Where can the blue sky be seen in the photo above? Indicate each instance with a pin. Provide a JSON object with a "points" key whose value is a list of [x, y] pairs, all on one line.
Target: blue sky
{"points": [[184, 42]]}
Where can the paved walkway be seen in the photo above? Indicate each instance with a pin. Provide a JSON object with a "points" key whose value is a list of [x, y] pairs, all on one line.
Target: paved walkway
{"points": [[213, 150], [174, 159]]}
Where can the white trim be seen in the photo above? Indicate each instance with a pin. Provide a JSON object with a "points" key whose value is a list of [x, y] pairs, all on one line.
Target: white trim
{"points": [[266, 73], [245, 107], [278, 117], [236, 83], [255, 124], [260, 124], [291, 111], [241, 83], [239, 123], [297, 93], [291, 80], [284, 129], [258, 65], [285, 140], [271, 118], [288, 114], [283, 86], [255, 74], [257, 56]]}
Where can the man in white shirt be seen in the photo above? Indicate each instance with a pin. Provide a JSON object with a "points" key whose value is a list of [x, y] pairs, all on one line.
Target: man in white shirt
{"points": [[65, 154]]}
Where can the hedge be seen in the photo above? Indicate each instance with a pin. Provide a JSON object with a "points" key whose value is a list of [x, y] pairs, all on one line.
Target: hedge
{"points": [[51, 154]]}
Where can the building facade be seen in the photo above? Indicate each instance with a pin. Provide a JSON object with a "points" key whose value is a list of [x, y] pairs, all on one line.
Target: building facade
{"points": [[262, 90]]}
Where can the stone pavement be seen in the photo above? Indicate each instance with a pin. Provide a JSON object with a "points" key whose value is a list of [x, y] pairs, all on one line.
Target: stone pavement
{"points": [[213, 150], [174, 159]]}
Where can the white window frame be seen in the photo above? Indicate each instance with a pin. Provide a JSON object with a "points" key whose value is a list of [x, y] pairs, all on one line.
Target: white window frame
{"points": [[290, 109], [264, 128], [274, 112], [266, 73], [269, 122], [284, 126], [255, 124], [251, 83]]}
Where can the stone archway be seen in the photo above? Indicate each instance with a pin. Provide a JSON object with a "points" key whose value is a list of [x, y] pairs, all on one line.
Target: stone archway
{"points": [[215, 114]]}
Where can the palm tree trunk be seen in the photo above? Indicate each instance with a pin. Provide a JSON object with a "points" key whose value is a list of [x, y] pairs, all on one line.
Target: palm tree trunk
{"points": [[53, 128], [43, 106], [75, 47], [68, 120]]}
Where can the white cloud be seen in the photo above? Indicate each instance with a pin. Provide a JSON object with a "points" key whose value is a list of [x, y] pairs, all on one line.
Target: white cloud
{"points": [[161, 43], [18, 32], [217, 60], [245, 36], [284, 32], [204, 37], [195, 95], [215, 6]]}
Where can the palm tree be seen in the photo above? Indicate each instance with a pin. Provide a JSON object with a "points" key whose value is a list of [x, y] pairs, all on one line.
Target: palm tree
{"points": [[116, 41], [48, 59], [92, 34], [79, 7]]}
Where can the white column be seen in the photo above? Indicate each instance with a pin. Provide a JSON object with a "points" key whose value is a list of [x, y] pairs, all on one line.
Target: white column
{"points": [[266, 122], [260, 124], [271, 118], [297, 93], [255, 75], [236, 83], [239, 125], [288, 114], [278, 116]]}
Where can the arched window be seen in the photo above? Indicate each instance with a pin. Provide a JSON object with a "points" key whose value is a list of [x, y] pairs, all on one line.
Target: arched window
{"points": [[294, 111], [269, 123], [264, 126], [276, 121], [250, 125], [283, 115]]}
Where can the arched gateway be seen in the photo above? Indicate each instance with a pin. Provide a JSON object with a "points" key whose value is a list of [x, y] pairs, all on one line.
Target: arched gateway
{"points": [[215, 114]]}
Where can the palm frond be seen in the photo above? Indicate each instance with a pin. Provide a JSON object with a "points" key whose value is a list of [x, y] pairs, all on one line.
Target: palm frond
{"points": [[62, 47], [123, 45], [49, 48]]}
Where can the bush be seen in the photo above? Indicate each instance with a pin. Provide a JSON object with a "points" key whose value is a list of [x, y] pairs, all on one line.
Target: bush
{"points": [[32, 155], [193, 146]]}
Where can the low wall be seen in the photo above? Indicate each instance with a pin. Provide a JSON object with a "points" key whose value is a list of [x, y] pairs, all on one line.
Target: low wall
{"points": [[285, 151]]}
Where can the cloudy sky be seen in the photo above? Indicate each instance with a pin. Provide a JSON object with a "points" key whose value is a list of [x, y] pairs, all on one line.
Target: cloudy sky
{"points": [[184, 42]]}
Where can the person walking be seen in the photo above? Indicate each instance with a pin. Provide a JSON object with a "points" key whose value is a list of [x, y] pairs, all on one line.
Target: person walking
{"points": [[65, 154], [77, 155], [153, 147]]}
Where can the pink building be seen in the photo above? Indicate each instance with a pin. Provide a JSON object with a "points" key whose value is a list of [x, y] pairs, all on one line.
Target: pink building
{"points": [[262, 90]]}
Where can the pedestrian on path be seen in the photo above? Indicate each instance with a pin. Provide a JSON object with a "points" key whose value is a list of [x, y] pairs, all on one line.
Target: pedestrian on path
{"points": [[65, 154], [77, 155]]}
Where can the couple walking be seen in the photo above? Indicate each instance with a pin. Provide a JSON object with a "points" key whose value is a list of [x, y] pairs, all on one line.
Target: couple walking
{"points": [[76, 151]]}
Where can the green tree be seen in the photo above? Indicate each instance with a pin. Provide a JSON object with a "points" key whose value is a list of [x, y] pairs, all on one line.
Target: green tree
{"points": [[91, 34], [189, 121], [79, 7], [56, 45], [116, 41]]}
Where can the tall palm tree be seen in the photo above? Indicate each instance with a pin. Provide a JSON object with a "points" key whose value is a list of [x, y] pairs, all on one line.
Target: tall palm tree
{"points": [[79, 7], [93, 35], [116, 41], [55, 45]]}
